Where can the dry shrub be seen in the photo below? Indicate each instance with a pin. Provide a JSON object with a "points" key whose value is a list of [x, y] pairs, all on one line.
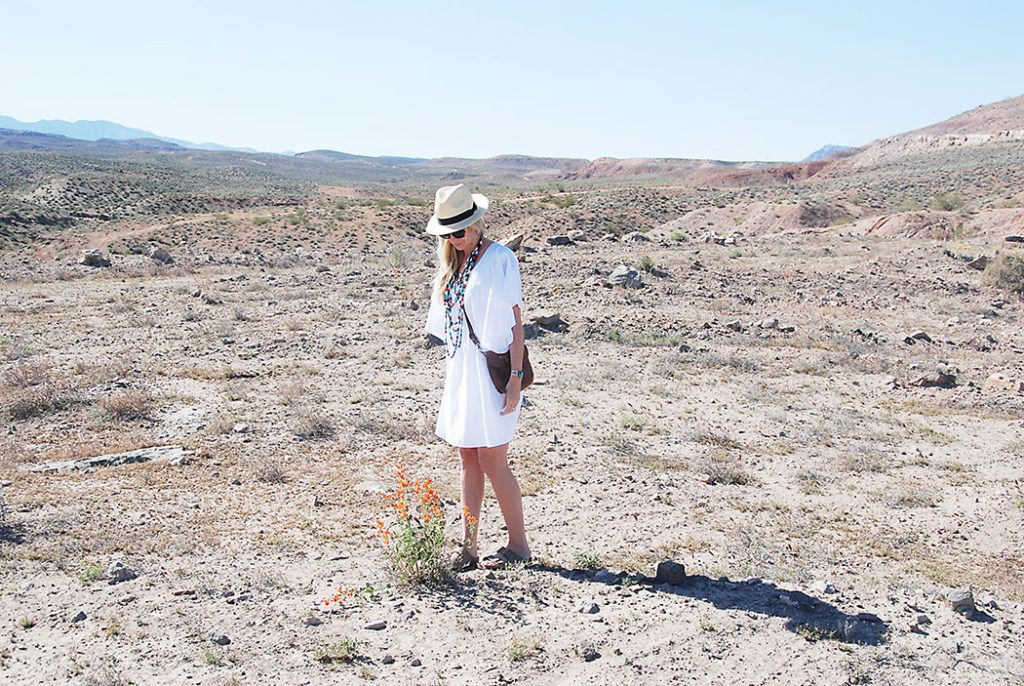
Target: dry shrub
{"points": [[310, 423], [132, 403], [222, 424], [268, 469], [723, 468], [25, 374], [1006, 270], [35, 401]]}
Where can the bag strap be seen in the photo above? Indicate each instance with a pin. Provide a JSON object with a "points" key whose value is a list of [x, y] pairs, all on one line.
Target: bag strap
{"points": [[472, 335]]}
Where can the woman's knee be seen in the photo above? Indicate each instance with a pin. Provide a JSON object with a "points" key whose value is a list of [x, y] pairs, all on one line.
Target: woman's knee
{"points": [[470, 458], [494, 460]]}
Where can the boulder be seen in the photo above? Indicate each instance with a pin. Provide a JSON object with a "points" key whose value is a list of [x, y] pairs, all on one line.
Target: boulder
{"points": [[559, 240], [550, 320], [513, 242], [670, 572], [158, 254], [624, 276], [961, 600], [635, 237], [94, 258], [978, 263], [1003, 382], [936, 379]]}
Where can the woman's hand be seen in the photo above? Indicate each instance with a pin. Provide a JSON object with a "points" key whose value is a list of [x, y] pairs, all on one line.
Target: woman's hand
{"points": [[512, 391]]}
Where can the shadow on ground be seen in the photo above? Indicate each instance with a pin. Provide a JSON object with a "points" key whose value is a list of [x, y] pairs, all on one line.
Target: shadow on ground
{"points": [[811, 617]]}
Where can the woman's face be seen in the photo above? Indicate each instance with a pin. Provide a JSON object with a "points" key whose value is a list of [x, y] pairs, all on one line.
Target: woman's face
{"points": [[468, 241]]}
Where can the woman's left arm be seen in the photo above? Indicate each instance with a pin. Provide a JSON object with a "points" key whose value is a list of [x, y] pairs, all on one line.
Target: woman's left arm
{"points": [[515, 383]]}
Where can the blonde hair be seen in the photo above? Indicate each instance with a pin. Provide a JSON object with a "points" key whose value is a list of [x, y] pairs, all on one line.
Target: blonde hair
{"points": [[448, 258]]}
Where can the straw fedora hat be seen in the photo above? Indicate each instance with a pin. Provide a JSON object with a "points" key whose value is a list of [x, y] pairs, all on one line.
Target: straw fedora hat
{"points": [[455, 208]]}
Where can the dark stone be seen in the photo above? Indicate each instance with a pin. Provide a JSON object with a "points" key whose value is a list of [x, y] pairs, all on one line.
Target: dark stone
{"points": [[670, 572]]}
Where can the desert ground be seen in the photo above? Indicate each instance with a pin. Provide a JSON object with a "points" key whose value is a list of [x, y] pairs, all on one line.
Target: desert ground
{"points": [[749, 410], [802, 383]]}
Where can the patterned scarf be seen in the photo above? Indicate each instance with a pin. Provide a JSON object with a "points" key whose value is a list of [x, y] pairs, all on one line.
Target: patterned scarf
{"points": [[453, 296]]}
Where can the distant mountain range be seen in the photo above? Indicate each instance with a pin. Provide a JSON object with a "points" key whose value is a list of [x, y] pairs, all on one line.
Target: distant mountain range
{"points": [[827, 151], [84, 130]]}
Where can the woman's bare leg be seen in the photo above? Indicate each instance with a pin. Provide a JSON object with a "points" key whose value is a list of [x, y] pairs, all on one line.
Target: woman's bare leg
{"points": [[472, 497], [494, 462]]}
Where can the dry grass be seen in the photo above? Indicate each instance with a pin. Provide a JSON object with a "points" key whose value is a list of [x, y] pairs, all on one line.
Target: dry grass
{"points": [[721, 467], [129, 404], [313, 424], [1006, 271]]}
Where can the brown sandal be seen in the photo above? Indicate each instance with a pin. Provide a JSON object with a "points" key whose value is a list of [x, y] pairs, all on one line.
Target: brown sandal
{"points": [[462, 561]]}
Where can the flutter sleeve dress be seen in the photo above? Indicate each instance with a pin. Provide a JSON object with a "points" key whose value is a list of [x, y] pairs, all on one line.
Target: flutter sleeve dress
{"points": [[470, 412]]}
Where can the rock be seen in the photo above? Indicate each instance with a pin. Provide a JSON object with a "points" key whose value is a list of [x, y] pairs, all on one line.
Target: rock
{"points": [[961, 600], [376, 626], [579, 236], [388, 659], [94, 258], [80, 617], [559, 240], [935, 380], [512, 243], [624, 276], [530, 331], [867, 334], [1015, 239], [824, 587], [921, 620], [1002, 382], [416, 662], [240, 428], [589, 608], [982, 344], [159, 452], [117, 572], [605, 576], [158, 254], [322, 269], [635, 237], [549, 320], [220, 639], [917, 336], [769, 323], [609, 237], [735, 325], [670, 572], [587, 652], [979, 263], [312, 620]]}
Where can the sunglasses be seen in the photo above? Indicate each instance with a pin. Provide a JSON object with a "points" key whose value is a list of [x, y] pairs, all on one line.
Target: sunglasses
{"points": [[454, 234]]}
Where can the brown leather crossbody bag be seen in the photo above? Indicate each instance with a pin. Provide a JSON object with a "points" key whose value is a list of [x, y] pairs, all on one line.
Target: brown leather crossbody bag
{"points": [[499, 365]]}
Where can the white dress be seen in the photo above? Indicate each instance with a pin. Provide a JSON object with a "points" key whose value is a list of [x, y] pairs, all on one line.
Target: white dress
{"points": [[470, 412]]}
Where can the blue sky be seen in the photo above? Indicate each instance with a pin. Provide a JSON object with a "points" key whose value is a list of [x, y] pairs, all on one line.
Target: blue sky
{"points": [[721, 80]]}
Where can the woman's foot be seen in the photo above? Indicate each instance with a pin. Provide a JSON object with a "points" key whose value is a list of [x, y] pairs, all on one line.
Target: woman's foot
{"points": [[503, 558], [463, 561]]}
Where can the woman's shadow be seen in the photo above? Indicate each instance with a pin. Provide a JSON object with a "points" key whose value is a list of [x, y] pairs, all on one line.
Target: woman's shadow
{"points": [[810, 617]]}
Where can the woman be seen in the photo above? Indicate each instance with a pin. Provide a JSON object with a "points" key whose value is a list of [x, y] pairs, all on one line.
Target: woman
{"points": [[477, 290]]}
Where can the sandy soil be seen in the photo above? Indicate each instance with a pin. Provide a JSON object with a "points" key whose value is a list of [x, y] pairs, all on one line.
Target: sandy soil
{"points": [[820, 502]]}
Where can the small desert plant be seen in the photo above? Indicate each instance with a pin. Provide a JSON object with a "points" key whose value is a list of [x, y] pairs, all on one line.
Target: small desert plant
{"points": [[947, 201], [646, 263], [520, 649], [312, 425], [1006, 271], [132, 403], [267, 469], [414, 538], [90, 574], [724, 469], [345, 650], [585, 560]]}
